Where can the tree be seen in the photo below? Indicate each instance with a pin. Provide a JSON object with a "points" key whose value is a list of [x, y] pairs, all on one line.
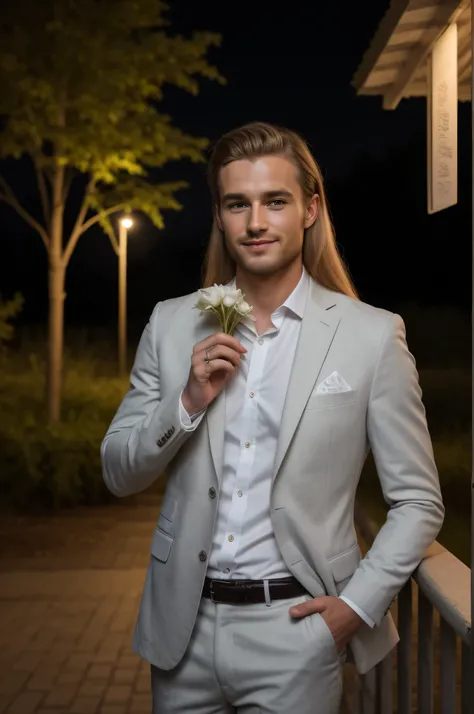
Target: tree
{"points": [[81, 83]]}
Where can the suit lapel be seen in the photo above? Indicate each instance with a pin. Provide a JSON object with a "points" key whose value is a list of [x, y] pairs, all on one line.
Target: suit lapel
{"points": [[215, 417], [319, 325], [201, 327]]}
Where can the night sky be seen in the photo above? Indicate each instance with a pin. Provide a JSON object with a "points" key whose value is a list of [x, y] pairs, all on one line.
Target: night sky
{"points": [[291, 66]]}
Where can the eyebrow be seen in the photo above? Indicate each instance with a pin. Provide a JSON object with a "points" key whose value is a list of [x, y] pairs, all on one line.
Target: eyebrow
{"points": [[267, 194]]}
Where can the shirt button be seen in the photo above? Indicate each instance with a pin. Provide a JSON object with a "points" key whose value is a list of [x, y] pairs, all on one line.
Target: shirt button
{"points": [[260, 342], [251, 395], [227, 570], [212, 492], [247, 444], [230, 538], [202, 556], [239, 494]]}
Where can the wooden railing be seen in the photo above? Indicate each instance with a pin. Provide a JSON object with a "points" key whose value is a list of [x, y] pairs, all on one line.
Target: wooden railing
{"points": [[430, 669]]}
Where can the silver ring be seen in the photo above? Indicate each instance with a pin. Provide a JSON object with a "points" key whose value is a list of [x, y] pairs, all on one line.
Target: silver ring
{"points": [[206, 359]]}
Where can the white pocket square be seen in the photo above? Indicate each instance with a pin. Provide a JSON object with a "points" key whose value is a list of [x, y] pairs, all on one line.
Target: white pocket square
{"points": [[334, 384]]}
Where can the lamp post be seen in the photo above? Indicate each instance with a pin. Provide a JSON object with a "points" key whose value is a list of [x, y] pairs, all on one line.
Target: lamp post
{"points": [[124, 225]]}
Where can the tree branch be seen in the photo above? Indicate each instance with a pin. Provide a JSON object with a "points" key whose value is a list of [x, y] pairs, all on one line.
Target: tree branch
{"points": [[9, 197], [81, 228], [76, 231], [43, 193], [103, 214]]}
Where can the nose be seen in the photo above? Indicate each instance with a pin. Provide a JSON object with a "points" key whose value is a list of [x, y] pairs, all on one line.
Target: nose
{"points": [[257, 222]]}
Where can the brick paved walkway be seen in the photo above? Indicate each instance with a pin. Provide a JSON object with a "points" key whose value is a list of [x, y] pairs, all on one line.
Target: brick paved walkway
{"points": [[70, 587]]}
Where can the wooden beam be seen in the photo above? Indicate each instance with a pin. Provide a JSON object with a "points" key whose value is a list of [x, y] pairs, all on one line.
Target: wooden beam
{"points": [[465, 67], [379, 42], [448, 13]]}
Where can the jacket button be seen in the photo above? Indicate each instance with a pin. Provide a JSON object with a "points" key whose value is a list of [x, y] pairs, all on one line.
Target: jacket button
{"points": [[212, 492], [203, 555]]}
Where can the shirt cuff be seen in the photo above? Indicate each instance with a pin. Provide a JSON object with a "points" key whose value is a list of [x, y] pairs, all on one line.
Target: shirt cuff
{"points": [[368, 620], [189, 423]]}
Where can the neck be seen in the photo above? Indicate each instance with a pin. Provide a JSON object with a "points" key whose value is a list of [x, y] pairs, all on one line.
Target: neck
{"points": [[267, 292]]}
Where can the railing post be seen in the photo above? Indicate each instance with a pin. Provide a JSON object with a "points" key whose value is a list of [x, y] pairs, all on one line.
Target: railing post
{"points": [[405, 602], [425, 655], [466, 678], [448, 668], [385, 685], [443, 584]]}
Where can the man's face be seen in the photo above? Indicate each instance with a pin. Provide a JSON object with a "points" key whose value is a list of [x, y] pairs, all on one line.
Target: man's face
{"points": [[263, 214]]}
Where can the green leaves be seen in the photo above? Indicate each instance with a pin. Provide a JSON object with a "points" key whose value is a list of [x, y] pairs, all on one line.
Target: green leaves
{"points": [[136, 195], [81, 83]]}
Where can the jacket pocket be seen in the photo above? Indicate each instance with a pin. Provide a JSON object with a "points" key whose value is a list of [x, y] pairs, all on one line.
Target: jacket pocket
{"points": [[167, 515], [344, 565], [161, 546], [325, 401]]}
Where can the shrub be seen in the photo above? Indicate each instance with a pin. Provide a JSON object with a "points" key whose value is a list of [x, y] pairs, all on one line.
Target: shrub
{"points": [[9, 310], [53, 466]]}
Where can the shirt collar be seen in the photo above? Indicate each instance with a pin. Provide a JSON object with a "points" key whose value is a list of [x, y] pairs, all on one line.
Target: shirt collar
{"points": [[296, 301]]}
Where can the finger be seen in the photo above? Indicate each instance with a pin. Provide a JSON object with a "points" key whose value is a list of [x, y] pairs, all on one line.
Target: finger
{"points": [[222, 352], [220, 338], [201, 368], [217, 365], [219, 352], [318, 604]]}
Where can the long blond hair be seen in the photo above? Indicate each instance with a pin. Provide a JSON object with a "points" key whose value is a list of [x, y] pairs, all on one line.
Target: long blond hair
{"points": [[321, 256]]}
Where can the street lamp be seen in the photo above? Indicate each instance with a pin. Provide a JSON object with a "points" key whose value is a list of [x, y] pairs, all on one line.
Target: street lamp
{"points": [[124, 225]]}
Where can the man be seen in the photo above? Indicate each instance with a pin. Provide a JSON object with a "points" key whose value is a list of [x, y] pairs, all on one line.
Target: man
{"points": [[263, 435]]}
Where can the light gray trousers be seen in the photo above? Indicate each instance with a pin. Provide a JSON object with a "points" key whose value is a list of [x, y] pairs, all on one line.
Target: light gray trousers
{"points": [[253, 659]]}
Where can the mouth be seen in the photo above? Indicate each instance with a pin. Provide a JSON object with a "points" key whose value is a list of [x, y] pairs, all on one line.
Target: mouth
{"points": [[258, 245]]}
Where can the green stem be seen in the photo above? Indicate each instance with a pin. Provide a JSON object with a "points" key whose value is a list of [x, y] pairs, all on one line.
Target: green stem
{"points": [[228, 322], [224, 319], [236, 319], [228, 318], [220, 312]]}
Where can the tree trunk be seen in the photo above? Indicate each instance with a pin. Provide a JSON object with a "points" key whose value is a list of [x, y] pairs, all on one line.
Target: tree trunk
{"points": [[57, 275], [55, 340]]}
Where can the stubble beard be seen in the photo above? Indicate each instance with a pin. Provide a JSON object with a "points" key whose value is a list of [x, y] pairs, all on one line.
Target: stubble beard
{"points": [[264, 268]]}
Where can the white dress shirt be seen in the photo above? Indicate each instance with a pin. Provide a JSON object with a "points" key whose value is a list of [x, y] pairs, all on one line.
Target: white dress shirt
{"points": [[244, 545]]}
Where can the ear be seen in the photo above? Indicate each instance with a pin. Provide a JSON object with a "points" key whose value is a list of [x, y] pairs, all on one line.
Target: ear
{"points": [[312, 211], [217, 217]]}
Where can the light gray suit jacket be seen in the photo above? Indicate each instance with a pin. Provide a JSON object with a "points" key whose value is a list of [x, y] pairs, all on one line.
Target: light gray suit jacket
{"points": [[323, 442]]}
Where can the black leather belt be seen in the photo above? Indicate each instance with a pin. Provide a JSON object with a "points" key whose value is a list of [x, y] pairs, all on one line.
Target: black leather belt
{"points": [[238, 592]]}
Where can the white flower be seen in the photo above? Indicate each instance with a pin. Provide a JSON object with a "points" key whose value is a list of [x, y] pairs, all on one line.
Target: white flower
{"points": [[244, 308], [232, 297], [209, 297], [227, 303]]}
